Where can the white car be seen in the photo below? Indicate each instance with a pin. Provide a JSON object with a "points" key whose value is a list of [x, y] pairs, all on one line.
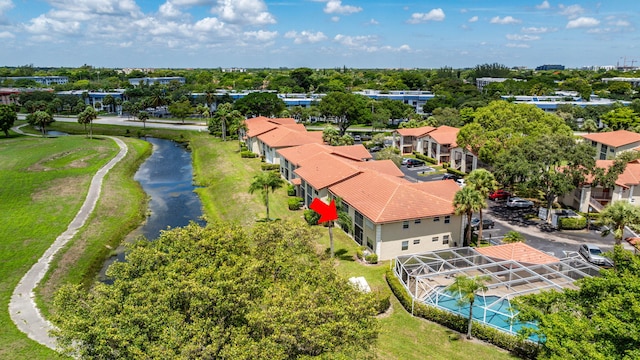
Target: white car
{"points": [[516, 202], [460, 182], [593, 254]]}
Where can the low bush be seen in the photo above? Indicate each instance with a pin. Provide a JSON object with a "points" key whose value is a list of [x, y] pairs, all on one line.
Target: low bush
{"points": [[248, 154], [360, 252], [311, 217], [572, 223], [455, 172], [295, 203], [291, 190], [383, 302], [371, 258], [521, 348], [269, 167]]}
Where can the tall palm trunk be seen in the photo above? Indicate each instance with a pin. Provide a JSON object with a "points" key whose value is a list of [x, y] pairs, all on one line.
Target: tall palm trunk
{"points": [[480, 227], [470, 319], [266, 200]]}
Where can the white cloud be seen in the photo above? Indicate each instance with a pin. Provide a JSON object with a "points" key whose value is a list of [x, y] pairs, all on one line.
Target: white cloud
{"points": [[169, 10], [505, 20], [99, 7], [354, 41], [373, 22], [336, 7], [6, 35], [523, 46], [537, 30], [571, 11], [620, 23], [544, 5], [473, 19], [518, 37], [261, 35], [583, 22], [433, 15], [43, 25], [335, 18], [252, 12], [5, 5], [404, 47], [305, 37]]}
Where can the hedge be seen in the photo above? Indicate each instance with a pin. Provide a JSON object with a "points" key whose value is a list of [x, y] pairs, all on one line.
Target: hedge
{"points": [[295, 203], [521, 348], [291, 190], [455, 172], [248, 154], [425, 158], [269, 167], [572, 223]]}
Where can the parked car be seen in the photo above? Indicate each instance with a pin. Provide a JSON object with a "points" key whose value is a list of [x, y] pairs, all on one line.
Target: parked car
{"points": [[450, 176], [460, 182], [499, 195], [357, 138], [415, 162], [486, 223], [593, 254], [375, 148], [516, 202], [405, 161]]}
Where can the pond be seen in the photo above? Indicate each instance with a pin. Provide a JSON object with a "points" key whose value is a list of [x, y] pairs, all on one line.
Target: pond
{"points": [[167, 178]]}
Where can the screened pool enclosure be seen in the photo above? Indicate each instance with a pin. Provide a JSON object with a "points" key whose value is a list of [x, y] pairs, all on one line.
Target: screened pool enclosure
{"points": [[426, 277]]}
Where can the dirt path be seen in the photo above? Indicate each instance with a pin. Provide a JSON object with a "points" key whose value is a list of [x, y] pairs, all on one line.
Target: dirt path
{"points": [[22, 307]]}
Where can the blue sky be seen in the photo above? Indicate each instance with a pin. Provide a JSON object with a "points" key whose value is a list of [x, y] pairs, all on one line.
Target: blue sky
{"points": [[318, 33]]}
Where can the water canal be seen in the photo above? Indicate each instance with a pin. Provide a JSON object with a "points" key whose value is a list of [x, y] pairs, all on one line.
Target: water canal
{"points": [[167, 178]]}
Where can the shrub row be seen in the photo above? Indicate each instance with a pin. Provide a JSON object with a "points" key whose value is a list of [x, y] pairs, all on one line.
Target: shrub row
{"points": [[269, 167], [521, 348], [571, 223], [455, 172], [425, 158], [248, 154]]}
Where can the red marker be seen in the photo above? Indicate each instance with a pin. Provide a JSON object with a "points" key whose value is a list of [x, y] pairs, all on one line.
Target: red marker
{"points": [[327, 212]]}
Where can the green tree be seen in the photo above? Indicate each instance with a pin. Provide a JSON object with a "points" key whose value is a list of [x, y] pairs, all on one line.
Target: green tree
{"points": [[224, 120], [513, 237], [345, 108], [86, 117], [589, 126], [483, 181], [616, 216], [621, 118], [8, 117], [219, 292], [264, 182], [41, 119], [109, 101], [260, 104], [467, 201], [465, 289], [181, 109], [390, 153], [143, 116]]}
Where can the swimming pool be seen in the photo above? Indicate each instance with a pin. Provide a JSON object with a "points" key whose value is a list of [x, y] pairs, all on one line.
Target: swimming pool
{"points": [[490, 310]]}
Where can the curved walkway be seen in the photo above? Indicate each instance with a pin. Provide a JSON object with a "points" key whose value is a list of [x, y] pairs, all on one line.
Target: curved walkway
{"points": [[22, 307]]}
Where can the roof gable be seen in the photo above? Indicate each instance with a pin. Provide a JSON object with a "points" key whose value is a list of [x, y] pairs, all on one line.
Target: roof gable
{"points": [[519, 252], [323, 170], [417, 132], [614, 138], [285, 137], [444, 135]]}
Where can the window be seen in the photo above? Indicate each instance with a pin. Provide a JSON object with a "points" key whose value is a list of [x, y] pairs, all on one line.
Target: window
{"points": [[405, 224], [593, 143], [447, 219], [445, 239], [435, 239], [368, 223], [405, 245], [437, 218], [417, 221], [370, 243], [416, 241]]}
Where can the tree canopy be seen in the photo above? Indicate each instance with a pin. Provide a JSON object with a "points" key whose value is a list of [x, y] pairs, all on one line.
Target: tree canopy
{"points": [[260, 104], [7, 118], [346, 108], [219, 292]]}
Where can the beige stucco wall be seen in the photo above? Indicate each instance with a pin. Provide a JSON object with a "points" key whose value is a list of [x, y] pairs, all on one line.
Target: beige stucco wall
{"points": [[393, 234]]}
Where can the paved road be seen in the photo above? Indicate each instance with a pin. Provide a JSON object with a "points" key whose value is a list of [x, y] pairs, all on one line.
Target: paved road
{"points": [[124, 121], [22, 307]]}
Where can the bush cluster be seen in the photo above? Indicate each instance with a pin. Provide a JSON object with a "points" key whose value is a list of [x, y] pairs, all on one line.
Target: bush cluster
{"points": [[521, 348], [269, 167], [572, 223], [248, 154], [291, 190], [295, 203], [371, 258], [455, 172], [311, 217]]}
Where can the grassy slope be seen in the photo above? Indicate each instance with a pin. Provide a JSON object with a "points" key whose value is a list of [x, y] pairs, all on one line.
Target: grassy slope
{"points": [[43, 185]]}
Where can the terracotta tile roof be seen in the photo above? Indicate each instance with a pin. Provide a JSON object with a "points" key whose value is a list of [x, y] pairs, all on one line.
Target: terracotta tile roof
{"points": [[297, 154], [323, 170], [630, 176], [519, 252], [261, 124], [417, 132], [614, 138], [444, 135], [387, 167], [285, 137], [296, 181], [383, 198]]}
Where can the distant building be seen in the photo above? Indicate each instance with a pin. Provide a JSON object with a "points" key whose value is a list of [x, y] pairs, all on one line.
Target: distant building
{"points": [[43, 80], [156, 80], [635, 82], [550, 67], [484, 81], [415, 98]]}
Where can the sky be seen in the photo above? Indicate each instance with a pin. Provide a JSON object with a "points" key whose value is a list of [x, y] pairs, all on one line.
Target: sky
{"points": [[318, 33]]}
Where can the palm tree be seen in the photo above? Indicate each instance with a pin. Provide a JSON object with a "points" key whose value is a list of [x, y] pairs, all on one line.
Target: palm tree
{"points": [[513, 237], [263, 182], [226, 116], [86, 117], [143, 116], [465, 288], [40, 118], [483, 181], [467, 201], [616, 216]]}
